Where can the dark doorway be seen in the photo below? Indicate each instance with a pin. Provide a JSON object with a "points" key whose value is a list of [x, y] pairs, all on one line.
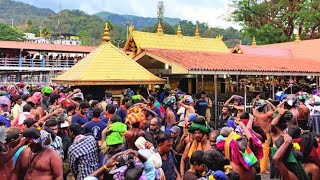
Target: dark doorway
{"points": [[183, 85]]}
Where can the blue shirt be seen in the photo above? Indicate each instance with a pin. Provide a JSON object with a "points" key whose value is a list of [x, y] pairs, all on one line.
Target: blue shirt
{"points": [[168, 166], [95, 127], [5, 121], [122, 113], [156, 110], [79, 119]]}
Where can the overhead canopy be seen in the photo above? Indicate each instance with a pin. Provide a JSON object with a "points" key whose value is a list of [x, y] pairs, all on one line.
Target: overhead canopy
{"points": [[107, 65], [190, 62], [139, 41]]}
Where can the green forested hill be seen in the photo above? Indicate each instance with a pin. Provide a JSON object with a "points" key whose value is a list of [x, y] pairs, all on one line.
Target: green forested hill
{"points": [[21, 12], [31, 19], [139, 22]]}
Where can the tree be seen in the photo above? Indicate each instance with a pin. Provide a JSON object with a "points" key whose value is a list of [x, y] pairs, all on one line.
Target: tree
{"points": [[7, 33], [272, 21], [46, 33], [84, 35]]}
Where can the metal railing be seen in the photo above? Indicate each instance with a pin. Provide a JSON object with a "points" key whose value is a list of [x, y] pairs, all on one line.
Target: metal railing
{"points": [[42, 63], [219, 106]]}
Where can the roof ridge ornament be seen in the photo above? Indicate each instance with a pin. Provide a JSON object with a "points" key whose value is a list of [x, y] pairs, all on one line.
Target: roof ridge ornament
{"points": [[219, 37], [179, 31], [254, 43], [297, 38], [159, 29], [197, 33], [106, 35], [131, 28]]}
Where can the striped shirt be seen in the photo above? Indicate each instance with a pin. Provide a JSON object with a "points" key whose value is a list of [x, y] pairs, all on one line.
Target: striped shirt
{"points": [[58, 146], [83, 156]]}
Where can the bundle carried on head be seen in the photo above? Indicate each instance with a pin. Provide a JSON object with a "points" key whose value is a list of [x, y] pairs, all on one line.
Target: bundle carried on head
{"points": [[286, 117], [302, 96], [247, 159], [114, 139], [239, 99], [136, 116], [199, 124]]}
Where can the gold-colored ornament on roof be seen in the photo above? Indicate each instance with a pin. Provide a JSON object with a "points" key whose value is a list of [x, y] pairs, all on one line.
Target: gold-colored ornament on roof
{"points": [[106, 35], [254, 43], [159, 29], [297, 37], [197, 33], [179, 32], [131, 28], [220, 37]]}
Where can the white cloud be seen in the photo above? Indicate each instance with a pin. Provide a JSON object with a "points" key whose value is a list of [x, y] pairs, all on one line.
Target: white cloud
{"points": [[209, 11]]}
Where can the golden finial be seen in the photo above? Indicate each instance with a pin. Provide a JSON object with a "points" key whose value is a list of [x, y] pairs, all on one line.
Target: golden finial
{"points": [[219, 37], [240, 42], [297, 37], [159, 29], [254, 43], [106, 34], [179, 32], [197, 34], [131, 28]]}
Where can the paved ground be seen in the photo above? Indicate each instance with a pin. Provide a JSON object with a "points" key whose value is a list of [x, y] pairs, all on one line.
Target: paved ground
{"points": [[266, 177]]}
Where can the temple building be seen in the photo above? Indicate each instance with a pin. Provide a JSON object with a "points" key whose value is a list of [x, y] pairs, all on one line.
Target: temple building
{"points": [[107, 66], [194, 63]]}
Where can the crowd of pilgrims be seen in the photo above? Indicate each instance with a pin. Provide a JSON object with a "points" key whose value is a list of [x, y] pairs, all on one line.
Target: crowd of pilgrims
{"points": [[58, 133]]}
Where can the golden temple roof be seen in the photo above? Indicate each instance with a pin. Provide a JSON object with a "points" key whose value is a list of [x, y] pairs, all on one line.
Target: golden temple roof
{"points": [[107, 65], [138, 41]]}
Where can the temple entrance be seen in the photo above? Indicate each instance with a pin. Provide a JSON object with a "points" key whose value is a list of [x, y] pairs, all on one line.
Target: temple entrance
{"points": [[188, 85]]}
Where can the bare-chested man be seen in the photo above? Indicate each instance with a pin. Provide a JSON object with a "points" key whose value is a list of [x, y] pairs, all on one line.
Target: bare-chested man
{"points": [[279, 123], [186, 137], [264, 119], [8, 150], [290, 104], [37, 114], [304, 111], [38, 161], [186, 102], [287, 170], [170, 118], [200, 130], [237, 105]]}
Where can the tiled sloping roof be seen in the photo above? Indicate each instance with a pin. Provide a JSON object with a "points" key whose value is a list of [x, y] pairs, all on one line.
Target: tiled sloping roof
{"points": [[264, 51], [206, 61], [301, 49], [165, 41], [107, 65], [45, 47]]}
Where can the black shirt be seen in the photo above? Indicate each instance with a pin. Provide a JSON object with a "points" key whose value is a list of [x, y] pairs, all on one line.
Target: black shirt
{"points": [[201, 107], [149, 137], [223, 122]]}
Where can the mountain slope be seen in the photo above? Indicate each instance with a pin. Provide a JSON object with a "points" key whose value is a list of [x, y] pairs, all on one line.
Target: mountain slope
{"points": [[139, 22], [21, 12]]}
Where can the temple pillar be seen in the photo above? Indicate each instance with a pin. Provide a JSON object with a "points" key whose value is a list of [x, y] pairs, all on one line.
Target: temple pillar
{"points": [[215, 81], [189, 85], [197, 84], [272, 84], [202, 77]]}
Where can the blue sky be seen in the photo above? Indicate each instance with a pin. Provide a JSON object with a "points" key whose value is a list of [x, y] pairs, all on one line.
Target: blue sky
{"points": [[213, 12]]}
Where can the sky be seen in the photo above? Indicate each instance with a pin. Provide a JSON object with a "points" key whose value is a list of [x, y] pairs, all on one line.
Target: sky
{"points": [[213, 12]]}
